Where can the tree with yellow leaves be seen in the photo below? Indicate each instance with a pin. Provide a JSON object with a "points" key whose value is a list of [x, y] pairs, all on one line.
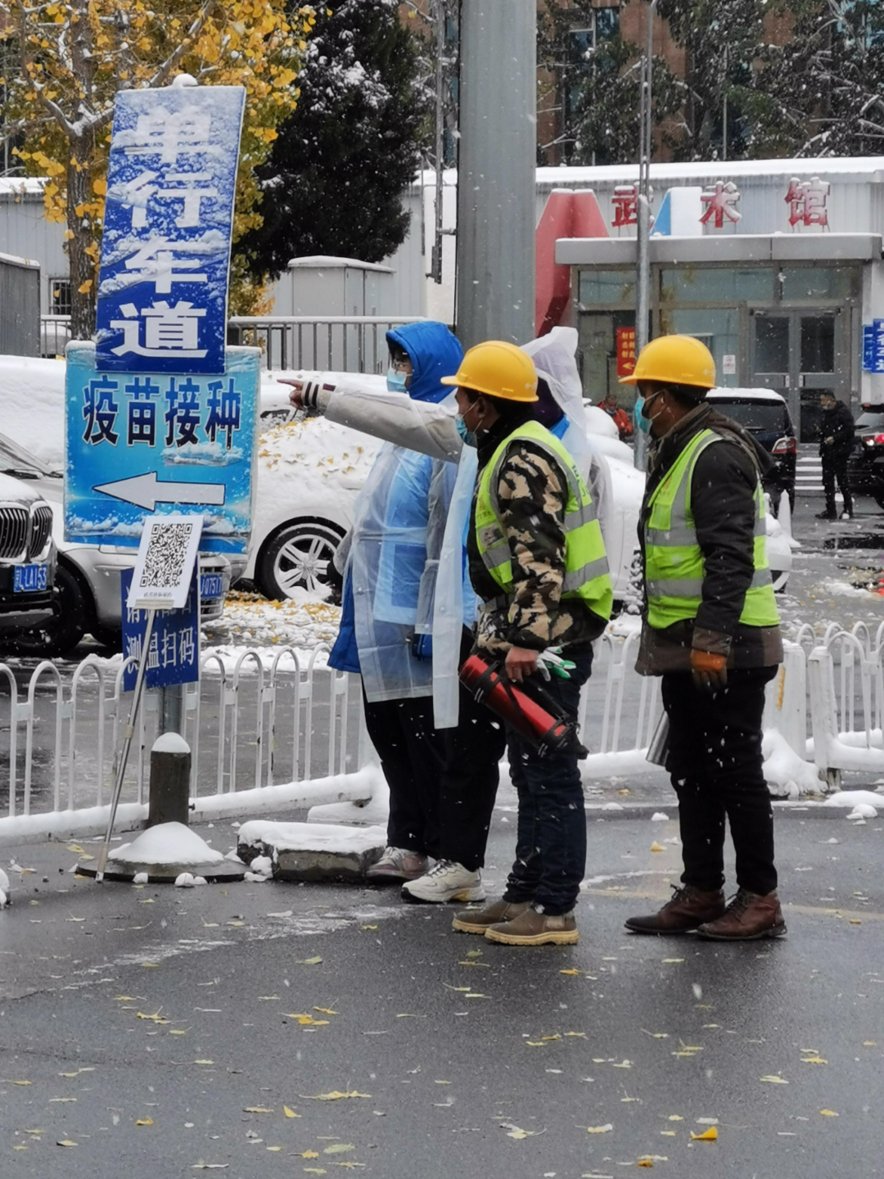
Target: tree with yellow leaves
{"points": [[74, 55]]}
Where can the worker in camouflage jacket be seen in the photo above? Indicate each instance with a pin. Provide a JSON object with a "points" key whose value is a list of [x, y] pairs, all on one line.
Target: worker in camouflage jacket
{"points": [[537, 560]]}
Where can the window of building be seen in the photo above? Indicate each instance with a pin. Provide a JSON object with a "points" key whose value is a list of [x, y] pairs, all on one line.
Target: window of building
{"points": [[607, 288], [604, 26], [59, 296]]}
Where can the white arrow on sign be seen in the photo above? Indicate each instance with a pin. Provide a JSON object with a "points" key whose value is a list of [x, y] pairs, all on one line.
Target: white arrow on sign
{"points": [[147, 491]]}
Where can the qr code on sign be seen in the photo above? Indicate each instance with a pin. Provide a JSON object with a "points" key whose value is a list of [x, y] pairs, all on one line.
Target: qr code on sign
{"points": [[166, 555]]}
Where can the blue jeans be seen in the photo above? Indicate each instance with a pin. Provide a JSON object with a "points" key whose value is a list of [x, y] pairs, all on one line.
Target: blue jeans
{"points": [[551, 835]]}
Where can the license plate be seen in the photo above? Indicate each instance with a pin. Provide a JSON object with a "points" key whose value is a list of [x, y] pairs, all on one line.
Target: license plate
{"points": [[211, 586], [29, 579]]}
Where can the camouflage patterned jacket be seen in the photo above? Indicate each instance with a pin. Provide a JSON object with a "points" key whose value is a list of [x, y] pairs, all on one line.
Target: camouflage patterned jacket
{"points": [[533, 492]]}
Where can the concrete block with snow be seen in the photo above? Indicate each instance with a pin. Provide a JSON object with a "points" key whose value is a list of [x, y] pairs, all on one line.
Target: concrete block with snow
{"points": [[313, 852]]}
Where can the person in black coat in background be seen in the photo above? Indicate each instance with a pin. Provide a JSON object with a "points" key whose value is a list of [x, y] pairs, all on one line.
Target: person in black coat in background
{"points": [[836, 443]]}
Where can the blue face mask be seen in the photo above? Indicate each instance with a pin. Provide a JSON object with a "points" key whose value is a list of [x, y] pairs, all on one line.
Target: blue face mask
{"points": [[643, 423], [467, 435], [396, 381], [642, 420]]}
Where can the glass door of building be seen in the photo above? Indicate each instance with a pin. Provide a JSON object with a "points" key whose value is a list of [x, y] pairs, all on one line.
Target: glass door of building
{"points": [[800, 354]]}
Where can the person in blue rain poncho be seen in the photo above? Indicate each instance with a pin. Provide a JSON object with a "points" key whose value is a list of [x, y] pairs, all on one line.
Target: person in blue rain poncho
{"points": [[390, 563]]}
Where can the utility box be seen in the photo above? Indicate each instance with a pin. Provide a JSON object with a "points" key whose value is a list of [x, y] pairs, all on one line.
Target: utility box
{"points": [[322, 287], [19, 306]]}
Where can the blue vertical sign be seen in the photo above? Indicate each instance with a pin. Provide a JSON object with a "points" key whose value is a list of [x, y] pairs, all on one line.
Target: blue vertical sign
{"points": [[873, 346], [162, 286], [174, 653]]}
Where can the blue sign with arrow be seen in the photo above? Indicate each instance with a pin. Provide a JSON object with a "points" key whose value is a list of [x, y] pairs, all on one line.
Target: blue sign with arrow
{"points": [[139, 443]]}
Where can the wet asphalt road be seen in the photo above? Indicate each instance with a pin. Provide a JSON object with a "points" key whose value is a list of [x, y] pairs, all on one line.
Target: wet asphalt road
{"points": [[159, 1032], [279, 1030]]}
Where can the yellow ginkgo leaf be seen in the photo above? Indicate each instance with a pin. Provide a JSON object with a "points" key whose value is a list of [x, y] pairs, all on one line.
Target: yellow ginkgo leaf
{"points": [[606, 1129], [309, 1154], [773, 1079], [815, 1059], [710, 1135], [657, 847], [144, 1122], [289, 1112], [829, 1113], [339, 1148], [66, 1142], [325, 1011], [257, 1109]]}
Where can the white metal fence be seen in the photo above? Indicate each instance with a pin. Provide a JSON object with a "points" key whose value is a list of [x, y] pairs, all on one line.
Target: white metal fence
{"points": [[251, 727], [258, 724]]}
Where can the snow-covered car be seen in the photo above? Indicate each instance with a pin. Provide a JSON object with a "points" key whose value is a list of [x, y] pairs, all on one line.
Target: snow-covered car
{"points": [[27, 560]]}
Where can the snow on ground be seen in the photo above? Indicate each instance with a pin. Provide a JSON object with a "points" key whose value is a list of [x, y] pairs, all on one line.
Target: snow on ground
{"points": [[252, 622]]}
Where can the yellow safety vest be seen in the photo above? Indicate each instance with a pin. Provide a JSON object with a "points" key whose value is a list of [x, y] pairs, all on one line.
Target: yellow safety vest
{"points": [[674, 563], [586, 563]]}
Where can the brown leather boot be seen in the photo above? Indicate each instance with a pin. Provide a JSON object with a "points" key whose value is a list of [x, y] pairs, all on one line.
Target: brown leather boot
{"points": [[688, 908], [747, 917]]}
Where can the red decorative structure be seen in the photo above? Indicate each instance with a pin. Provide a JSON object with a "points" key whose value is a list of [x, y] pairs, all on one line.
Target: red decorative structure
{"points": [[566, 214]]}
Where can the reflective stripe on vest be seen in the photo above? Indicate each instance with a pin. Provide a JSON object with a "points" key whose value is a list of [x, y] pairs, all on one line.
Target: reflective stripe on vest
{"points": [[674, 563], [586, 564]]}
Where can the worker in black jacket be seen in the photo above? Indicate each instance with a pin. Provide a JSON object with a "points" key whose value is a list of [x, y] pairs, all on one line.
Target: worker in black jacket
{"points": [[710, 630], [836, 443]]}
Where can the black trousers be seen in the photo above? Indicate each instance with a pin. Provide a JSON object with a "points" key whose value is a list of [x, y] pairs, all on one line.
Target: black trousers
{"points": [[443, 782], [412, 756], [835, 467], [715, 764]]}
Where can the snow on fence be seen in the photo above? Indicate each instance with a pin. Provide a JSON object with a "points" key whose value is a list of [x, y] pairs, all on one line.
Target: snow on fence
{"points": [[252, 731], [284, 732]]}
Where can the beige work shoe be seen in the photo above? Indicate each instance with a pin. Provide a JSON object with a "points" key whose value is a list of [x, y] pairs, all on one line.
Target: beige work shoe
{"points": [[533, 928], [478, 920]]}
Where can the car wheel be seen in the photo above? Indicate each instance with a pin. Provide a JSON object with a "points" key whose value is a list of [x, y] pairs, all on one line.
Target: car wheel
{"points": [[70, 620], [298, 556]]}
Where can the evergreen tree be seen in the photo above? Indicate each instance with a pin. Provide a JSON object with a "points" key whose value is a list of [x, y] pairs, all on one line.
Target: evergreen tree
{"points": [[823, 91], [335, 178]]}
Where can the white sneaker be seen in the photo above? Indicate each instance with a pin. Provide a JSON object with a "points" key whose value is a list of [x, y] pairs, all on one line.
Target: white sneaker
{"points": [[445, 881], [397, 863]]}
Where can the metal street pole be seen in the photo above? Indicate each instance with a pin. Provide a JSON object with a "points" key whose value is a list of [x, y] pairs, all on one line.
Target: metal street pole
{"points": [[496, 203], [643, 275]]}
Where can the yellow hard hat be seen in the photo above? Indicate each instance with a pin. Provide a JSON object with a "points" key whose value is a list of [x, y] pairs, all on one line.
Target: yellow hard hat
{"points": [[498, 369], [674, 360]]}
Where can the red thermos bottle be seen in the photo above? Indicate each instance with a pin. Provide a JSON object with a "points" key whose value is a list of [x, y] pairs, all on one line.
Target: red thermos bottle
{"points": [[534, 722]]}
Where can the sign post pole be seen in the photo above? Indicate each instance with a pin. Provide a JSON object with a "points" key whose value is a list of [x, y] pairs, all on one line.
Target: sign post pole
{"points": [[127, 744]]}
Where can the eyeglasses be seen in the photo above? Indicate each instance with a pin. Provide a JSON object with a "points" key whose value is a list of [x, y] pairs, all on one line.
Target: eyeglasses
{"points": [[400, 364]]}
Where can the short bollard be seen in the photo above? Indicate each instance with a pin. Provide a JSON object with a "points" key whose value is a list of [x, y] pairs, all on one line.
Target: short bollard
{"points": [[169, 780]]}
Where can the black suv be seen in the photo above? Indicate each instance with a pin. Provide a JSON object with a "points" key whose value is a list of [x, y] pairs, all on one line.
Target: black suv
{"points": [[865, 467], [27, 559], [765, 414]]}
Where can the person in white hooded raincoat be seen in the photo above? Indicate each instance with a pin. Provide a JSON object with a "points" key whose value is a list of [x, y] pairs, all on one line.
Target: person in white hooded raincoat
{"points": [[391, 560]]}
